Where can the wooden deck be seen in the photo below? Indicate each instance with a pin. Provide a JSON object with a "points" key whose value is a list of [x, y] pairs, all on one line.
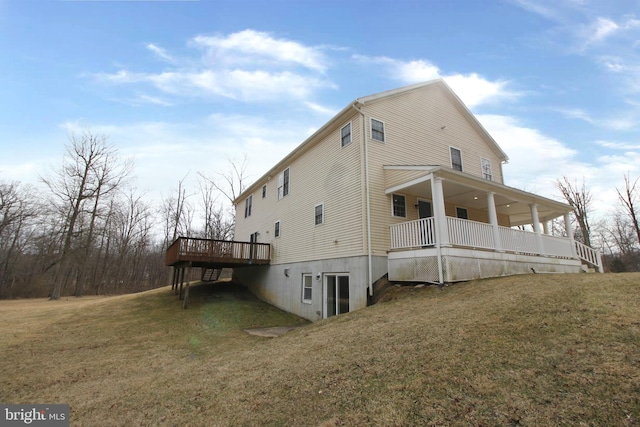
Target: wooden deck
{"points": [[207, 253]]}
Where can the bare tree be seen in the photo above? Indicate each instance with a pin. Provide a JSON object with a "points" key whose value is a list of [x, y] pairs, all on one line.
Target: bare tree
{"points": [[176, 214], [17, 210], [90, 171], [232, 182], [579, 198], [629, 200]]}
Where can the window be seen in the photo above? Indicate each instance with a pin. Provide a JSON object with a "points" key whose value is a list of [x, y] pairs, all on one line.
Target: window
{"points": [[307, 288], [399, 206], [247, 206], [345, 134], [456, 159], [486, 169], [264, 191], [462, 213], [377, 130], [283, 184], [319, 214], [276, 232]]}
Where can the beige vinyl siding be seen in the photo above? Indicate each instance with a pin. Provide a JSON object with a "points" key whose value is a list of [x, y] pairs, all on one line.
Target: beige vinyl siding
{"points": [[327, 174], [414, 135]]}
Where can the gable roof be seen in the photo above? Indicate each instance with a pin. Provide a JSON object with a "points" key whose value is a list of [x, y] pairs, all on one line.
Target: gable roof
{"points": [[358, 102]]}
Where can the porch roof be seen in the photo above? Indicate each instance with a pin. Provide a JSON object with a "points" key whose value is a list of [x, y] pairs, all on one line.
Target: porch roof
{"points": [[469, 191]]}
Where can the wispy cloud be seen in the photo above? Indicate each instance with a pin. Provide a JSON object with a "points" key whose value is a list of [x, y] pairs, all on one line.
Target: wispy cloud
{"points": [[625, 120], [247, 66], [160, 52]]}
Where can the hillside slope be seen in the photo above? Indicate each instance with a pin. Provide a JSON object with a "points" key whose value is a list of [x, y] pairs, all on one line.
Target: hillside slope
{"points": [[527, 350]]}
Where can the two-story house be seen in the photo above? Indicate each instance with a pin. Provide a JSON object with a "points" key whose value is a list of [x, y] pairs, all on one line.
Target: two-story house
{"points": [[406, 183]]}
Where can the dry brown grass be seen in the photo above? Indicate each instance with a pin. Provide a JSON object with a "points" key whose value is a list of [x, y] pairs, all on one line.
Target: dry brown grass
{"points": [[529, 350]]}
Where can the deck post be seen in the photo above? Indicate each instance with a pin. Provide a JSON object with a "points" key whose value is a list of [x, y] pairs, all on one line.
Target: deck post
{"points": [[181, 282], [186, 292]]}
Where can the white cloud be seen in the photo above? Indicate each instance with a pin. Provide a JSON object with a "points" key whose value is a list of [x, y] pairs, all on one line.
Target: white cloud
{"points": [[259, 47], [616, 145], [600, 30], [472, 88], [160, 52], [247, 66]]}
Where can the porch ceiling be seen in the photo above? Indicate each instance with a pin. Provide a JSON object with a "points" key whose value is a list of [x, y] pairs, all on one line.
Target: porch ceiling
{"points": [[464, 190]]}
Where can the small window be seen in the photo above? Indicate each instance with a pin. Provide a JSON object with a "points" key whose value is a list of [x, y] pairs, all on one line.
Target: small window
{"points": [[377, 130], [307, 288], [345, 134], [264, 191], [456, 159], [276, 232], [247, 206], [283, 184], [462, 213], [486, 169], [319, 214], [399, 206]]}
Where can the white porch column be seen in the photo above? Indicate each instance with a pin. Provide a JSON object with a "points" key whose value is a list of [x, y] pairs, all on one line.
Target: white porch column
{"points": [[545, 227], [493, 220], [569, 231], [439, 214], [536, 227]]}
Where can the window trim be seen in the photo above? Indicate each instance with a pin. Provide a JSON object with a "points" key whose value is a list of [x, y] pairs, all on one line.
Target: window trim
{"points": [[482, 163], [315, 214], [304, 287], [384, 130], [342, 143], [248, 203], [393, 205], [451, 148], [277, 231]]}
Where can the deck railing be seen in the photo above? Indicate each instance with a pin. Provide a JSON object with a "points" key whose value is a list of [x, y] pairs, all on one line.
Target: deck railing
{"points": [[463, 232], [590, 255], [221, 251], [413, 234], [520, 241]]}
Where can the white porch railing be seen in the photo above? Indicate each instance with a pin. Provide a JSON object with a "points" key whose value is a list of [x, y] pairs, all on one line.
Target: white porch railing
{"points": [[413, 234], [463, 232], [589, 255]]}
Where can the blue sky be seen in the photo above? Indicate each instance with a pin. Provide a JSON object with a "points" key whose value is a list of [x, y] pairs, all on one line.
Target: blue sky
{"points": [[181, 86]]}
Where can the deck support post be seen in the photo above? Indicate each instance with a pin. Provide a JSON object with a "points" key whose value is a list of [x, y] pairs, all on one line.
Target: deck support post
{"points": [[186, 292], [181, 282]]}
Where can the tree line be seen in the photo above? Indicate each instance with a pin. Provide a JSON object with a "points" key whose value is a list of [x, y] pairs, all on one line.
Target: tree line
{"points": [[87, 230], [616, 236]]}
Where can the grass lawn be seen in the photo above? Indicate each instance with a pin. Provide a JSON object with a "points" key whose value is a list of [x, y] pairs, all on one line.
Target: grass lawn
{"points": [[537, 350]]}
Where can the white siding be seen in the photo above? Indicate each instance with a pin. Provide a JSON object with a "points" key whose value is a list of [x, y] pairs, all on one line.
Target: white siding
{"points": [[326, 173]]}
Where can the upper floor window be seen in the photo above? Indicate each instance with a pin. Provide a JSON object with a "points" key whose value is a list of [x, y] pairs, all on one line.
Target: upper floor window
{"points": [[486, 169], [345, 134], [319, 214], [377, 130], [456, 159], [247, 206], [264, 191], [283, 184], [399, 206], [276, 232]]}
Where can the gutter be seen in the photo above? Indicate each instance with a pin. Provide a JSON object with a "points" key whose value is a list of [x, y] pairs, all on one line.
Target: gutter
{"points": [[368, 198]]}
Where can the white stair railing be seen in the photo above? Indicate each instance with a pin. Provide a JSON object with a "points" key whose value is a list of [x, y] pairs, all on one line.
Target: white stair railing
{"points": [[589, 255]]}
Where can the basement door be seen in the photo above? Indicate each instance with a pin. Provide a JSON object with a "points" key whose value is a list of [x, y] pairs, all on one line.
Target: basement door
{"points": [[336, 294]]}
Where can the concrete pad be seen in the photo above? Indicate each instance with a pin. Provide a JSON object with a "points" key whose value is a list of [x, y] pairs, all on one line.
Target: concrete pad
{"points": [[272, 332]]}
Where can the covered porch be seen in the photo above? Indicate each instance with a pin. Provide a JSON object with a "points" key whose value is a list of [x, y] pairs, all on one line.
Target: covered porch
{"points": [[468, 228]]}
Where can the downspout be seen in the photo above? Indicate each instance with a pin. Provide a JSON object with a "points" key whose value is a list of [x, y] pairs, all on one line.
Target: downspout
{"points": [[367, 196]]}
